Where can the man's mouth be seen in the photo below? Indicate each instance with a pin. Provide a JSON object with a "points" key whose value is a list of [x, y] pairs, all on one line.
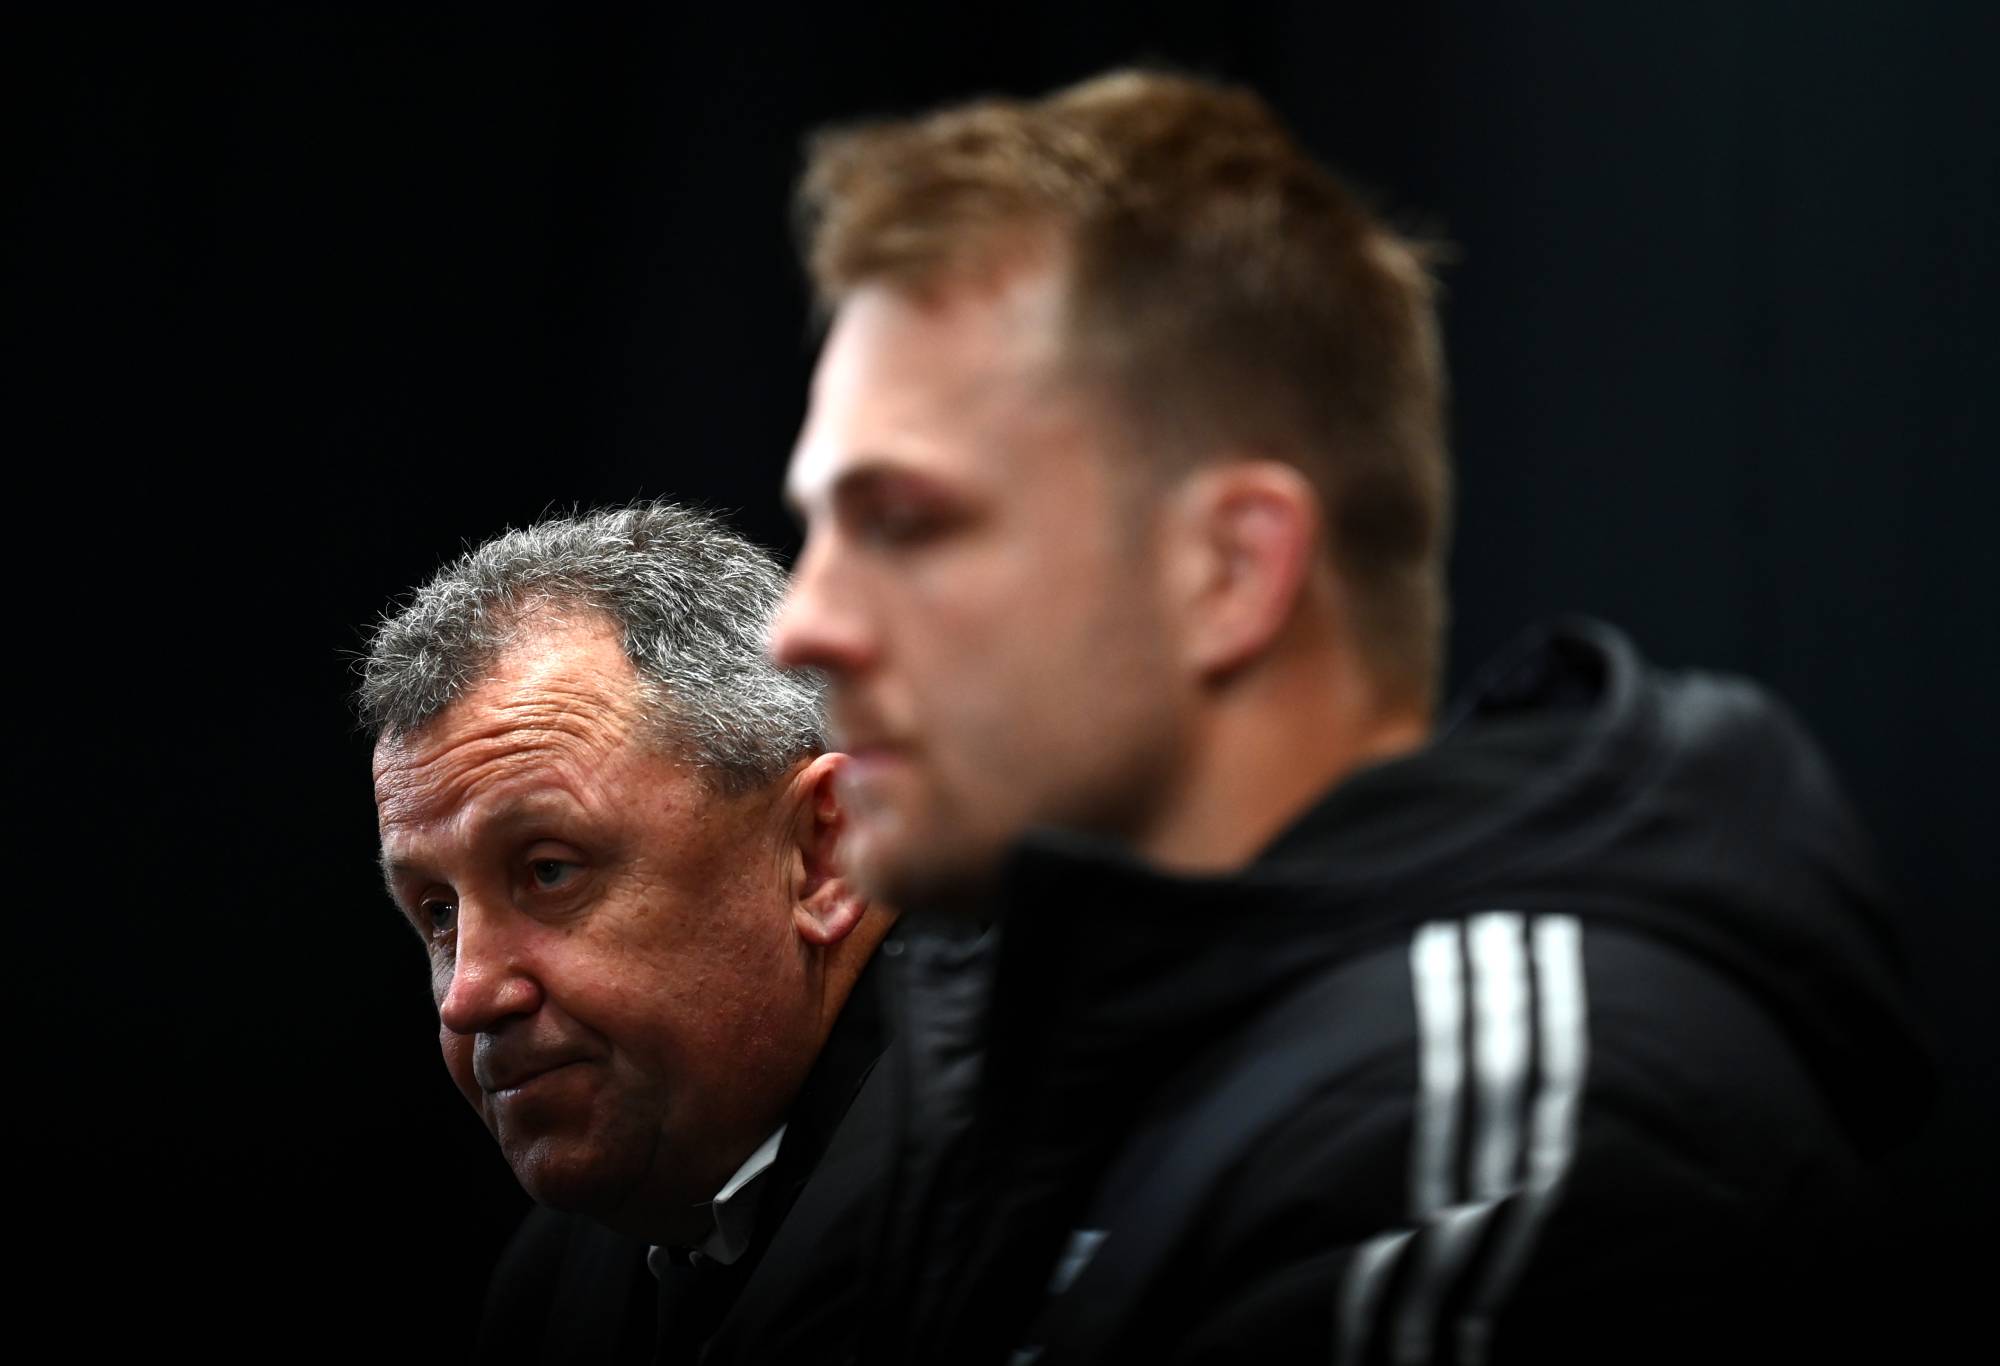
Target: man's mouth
{"points": [[515, 1079]]}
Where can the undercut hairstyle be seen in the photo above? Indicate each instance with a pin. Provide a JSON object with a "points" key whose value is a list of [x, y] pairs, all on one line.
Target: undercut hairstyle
{"points": [[1226, 294], [691, 599]]}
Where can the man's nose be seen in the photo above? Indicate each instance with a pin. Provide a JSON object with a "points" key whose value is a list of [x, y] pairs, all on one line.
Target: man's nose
{"points": [[818, 625], [491, 974]]}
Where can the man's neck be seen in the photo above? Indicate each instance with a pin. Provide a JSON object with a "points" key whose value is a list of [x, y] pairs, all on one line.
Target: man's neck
{"points": [[1265, 750]]}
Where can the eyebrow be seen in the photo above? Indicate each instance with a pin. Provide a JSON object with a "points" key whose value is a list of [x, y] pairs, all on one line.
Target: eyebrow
{"points": [[885, 474], [514, 811]]}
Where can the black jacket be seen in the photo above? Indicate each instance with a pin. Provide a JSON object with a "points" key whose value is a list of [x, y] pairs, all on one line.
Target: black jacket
{"points": [[571, 1291], [1566, 1038]]}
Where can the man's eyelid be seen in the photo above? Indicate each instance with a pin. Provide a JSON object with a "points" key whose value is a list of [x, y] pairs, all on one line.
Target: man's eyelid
{"points": [[410, 890], [418, 912], [564, 857]]}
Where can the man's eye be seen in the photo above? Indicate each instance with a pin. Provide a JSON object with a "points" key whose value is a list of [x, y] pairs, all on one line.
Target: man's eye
{"points": [[549, 872], [436, 915], [899, 523]]}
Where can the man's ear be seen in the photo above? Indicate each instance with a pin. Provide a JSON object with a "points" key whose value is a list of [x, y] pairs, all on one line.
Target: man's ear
{"points": [[1247, 532], [825, 906]]}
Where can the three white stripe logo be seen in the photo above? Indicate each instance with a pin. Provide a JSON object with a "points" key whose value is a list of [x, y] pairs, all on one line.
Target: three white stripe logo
{"points": [[1525, 1004]]}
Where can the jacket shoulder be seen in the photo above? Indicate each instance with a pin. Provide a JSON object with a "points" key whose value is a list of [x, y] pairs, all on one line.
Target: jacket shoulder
{"points": [[1529, 1114]]}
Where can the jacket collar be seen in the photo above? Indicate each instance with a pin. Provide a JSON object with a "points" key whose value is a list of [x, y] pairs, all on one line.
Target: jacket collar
{"points": [[1108, 969]]}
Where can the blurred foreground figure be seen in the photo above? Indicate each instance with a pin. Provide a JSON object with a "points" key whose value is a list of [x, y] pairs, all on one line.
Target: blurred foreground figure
{"points": [[611, 824], [1307, 1028]]}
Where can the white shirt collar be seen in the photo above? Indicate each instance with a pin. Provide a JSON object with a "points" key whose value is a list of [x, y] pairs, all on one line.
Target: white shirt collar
{"points": [[734, 1208]]}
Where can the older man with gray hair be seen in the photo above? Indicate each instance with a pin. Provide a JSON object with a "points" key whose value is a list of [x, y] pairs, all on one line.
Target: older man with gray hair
{"points": [[612, 824]]}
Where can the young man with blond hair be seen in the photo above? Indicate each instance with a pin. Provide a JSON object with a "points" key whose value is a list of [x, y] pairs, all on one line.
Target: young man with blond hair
{"points": [[1250, 1013]]}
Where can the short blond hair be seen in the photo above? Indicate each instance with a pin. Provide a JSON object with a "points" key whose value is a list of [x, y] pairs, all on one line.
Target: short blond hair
{"points": [[1229, 292]]}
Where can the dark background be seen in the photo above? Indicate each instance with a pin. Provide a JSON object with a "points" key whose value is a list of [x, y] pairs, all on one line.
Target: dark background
{"points": [[311, 296]]}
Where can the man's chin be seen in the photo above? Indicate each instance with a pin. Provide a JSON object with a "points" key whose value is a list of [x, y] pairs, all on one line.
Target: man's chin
{"points": [[902, 869], [574, 1178], [613, 1187]]}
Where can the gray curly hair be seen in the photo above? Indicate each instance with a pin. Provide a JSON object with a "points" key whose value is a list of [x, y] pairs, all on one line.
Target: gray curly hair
{"points": [[691, 598]]}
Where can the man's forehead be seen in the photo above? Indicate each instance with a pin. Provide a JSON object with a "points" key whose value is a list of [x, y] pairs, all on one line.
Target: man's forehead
{"points": [[959, 331], [905, 378], [553, 706], [438, 778]]}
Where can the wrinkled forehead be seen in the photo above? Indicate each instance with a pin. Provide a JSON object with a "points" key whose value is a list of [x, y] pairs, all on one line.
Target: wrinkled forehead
{"points": [[557, 707], [422, 781]]}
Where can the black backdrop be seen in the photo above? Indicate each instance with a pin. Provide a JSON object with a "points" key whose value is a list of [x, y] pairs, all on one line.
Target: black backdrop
{"points": [[313, 295]]}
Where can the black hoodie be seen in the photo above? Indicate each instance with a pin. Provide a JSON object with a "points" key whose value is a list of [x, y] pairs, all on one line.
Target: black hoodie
{"points": [[1568, 1037]]}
